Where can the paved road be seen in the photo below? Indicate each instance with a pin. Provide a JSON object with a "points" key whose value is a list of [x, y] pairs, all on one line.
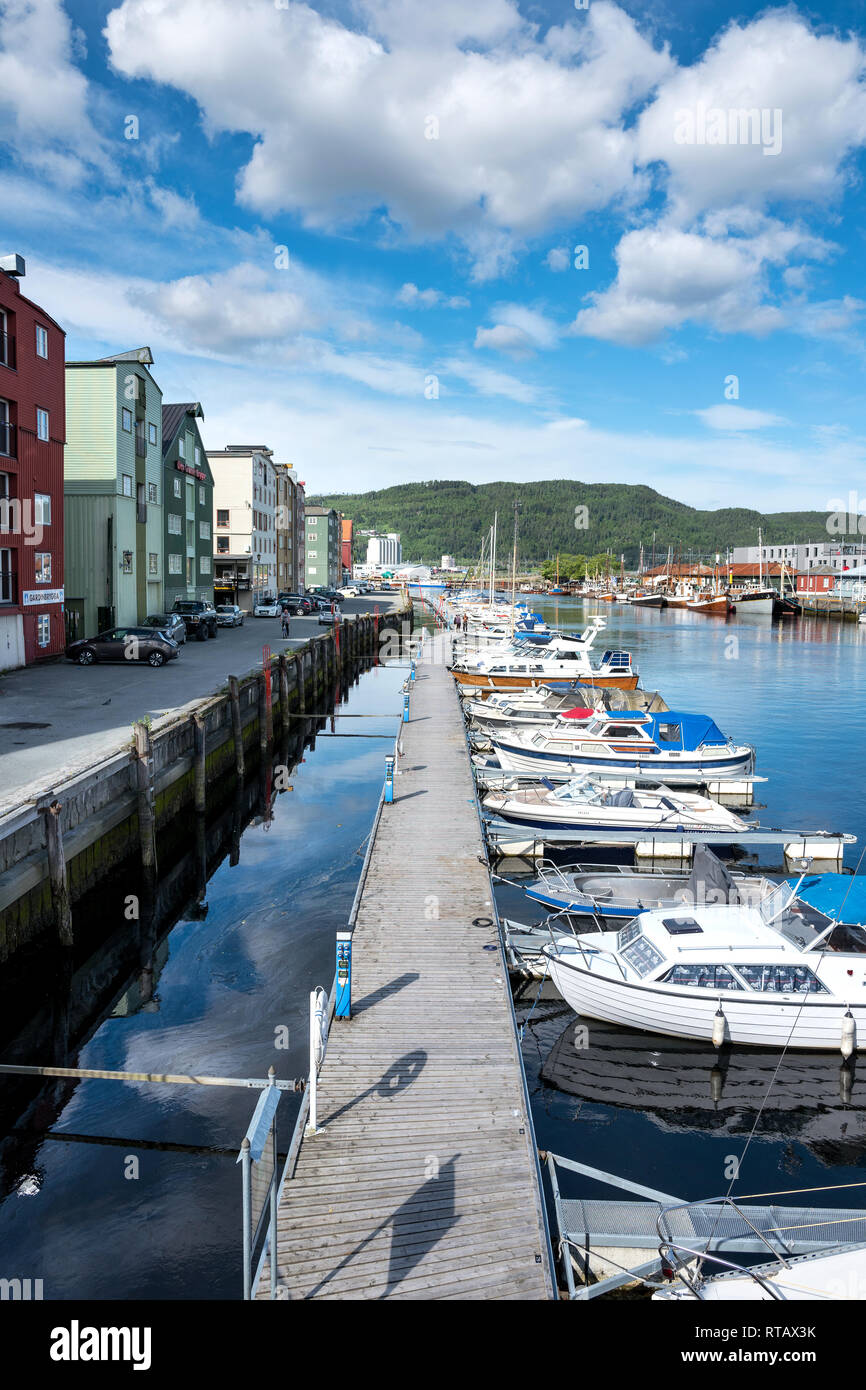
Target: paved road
{"points": [[59, 718]]}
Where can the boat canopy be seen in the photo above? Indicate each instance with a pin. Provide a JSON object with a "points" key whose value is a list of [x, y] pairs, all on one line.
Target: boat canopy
{"points": [[687, 732], [580, 712], [839, 896]]}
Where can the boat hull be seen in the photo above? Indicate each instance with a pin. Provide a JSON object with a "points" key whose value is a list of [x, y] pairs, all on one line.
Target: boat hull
{"points": [[682, 772], [795, 1022], [478, 680]]}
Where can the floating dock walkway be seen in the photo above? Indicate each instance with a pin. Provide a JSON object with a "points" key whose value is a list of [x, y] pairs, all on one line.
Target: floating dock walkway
{"points": [[421, 1180]]}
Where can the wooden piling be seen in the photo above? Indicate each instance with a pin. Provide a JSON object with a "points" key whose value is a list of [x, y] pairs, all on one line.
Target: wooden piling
{"points": [[199, 767], [284, 693], [299, 662], [264, 741], [57, 873], [237, 728], [146, 819]]}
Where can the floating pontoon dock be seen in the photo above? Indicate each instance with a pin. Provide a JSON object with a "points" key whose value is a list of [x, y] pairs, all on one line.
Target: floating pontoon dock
{"points": [[422, 1179]]}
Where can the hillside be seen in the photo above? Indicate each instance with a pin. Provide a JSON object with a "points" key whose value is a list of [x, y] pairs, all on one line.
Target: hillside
{"points": [[439, 518]]}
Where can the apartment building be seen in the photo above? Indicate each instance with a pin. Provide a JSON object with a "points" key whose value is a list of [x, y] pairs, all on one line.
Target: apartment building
{"points": [[245, 525], [323, 560], [32, 430], [113, 492], [188, 505]]}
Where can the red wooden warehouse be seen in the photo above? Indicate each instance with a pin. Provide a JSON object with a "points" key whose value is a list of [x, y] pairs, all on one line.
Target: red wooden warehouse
{"points": [[32, 433]]}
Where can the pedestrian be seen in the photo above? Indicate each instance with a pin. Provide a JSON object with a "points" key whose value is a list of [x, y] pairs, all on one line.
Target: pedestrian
{"points": [[285, 622]]}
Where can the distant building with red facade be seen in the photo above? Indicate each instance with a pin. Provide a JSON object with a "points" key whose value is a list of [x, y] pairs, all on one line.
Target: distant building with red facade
{"points": [[32, 435], [347, 541]]}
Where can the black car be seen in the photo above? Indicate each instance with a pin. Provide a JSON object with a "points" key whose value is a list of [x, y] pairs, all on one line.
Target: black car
{"points": [[124, 644], [332, 595], [294, 603], [172, 624], [200, 617], [317, 601]]}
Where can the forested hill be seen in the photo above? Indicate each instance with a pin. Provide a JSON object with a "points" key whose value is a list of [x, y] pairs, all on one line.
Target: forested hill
{"points": [[439, 518]]}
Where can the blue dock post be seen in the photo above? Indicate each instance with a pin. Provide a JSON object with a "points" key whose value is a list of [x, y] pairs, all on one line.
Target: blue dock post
{"points": [[389, 779], [343, 1000], [406, 708], [412, 675]]}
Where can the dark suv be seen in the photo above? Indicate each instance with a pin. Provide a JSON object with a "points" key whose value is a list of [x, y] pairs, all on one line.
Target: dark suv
{"points": [[199, 616], [294, 603]]}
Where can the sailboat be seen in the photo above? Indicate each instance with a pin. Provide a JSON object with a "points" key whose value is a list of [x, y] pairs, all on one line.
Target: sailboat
{"points": [[557, 587], [757, 598]]}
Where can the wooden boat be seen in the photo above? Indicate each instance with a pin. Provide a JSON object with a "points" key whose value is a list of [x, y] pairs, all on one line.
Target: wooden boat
{"points": [[711, 603], [641, 600]]}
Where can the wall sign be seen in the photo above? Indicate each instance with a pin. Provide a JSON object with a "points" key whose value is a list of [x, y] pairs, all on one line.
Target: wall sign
{"points": [[29, 597]]}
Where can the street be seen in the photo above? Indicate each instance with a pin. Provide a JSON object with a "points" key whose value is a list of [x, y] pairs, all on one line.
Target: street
{"points": [[59, 718]]}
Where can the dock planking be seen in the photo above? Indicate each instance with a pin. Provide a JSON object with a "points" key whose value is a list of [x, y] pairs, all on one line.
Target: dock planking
{"points": [[421, 1181]]}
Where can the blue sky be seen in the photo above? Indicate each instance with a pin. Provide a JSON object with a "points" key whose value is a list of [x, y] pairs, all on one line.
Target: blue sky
{"points": [[349, 230]]}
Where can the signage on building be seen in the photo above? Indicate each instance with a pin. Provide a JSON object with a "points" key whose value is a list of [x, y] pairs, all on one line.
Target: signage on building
{"points": [[188, 468], [29, 597]]}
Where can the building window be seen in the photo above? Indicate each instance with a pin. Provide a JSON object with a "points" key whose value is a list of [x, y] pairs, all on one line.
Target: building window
{"points": [[181, 447], [43, 567], [7, 577], [178, 491], [153, 562], [222, 516], [190, 577], [42, 508], [151, 492], [126, 562], [41, 341], [204, 530], [126, 420], [222, 545], [198, 462], [174, 565], [204, 564], [201, 492], [43, 630], [41, 423], [151, 432], [174, 524], [190, 535], [126, 484]]}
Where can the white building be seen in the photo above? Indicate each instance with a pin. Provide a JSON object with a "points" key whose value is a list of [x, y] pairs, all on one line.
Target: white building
{"points": [[384, 550], [808, 555], [245, 533], [448, 563]]}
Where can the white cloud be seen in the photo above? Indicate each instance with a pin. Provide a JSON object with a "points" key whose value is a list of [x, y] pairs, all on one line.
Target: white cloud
{"points": [[44, 115], [558, 258], [518, 331], [773, 63], [667, 277], [736, 417], [339, 120], [488, 382], [413, 298]]}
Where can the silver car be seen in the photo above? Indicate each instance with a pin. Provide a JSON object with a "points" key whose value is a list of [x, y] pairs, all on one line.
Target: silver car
{"points": [[229, 615]]}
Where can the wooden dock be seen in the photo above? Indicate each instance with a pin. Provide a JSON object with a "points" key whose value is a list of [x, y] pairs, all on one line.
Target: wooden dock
{"points": [[421, 1181]]}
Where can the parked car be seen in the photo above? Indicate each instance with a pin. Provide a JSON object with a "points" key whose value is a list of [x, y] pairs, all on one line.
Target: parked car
{"points": [[229, 615], [124, 644], [266, 607], [328, 616], [294, 603], [172, 624], [316, 601], [331, 595], [200, 617], [350, 591]]}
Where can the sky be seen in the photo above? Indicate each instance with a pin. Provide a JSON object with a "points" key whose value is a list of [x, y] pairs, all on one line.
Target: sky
{"points": [[402, 240]]}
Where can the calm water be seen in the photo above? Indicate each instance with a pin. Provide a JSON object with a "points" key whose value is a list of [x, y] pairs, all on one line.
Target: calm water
{"points": [[666, 1113], [653, 1110], [227, 982]]}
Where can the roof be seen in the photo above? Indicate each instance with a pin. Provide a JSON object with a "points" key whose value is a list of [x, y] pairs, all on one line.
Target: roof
{"points": [[173, 416]]}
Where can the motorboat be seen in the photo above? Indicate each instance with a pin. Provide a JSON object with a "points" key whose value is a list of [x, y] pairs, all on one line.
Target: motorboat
{"points": [[564, 658], [778, 974], [672, 745], [610, 894], [589, 804], [755, 598], [714, 604]]}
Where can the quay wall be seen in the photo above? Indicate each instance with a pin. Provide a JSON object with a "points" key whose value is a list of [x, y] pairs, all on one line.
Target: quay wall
{"points": [[99, 812]]}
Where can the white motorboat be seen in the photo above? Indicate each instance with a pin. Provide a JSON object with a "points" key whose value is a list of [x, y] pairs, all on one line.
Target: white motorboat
{"points": [[673, 746], [779, 974], [586, 803], [565, 658]]}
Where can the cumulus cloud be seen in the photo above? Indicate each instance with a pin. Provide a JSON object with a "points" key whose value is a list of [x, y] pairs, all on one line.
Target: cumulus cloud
{"points": [[558, 258], [486, 132], [413, 298], [518, 331]]}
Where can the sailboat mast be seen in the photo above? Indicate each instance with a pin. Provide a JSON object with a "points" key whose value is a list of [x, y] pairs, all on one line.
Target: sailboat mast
{"points": [[493, 560], [760, 560], [514, 571]]}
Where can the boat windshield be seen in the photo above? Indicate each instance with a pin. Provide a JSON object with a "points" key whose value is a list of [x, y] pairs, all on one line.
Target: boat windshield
{"points": [[796, 920]]}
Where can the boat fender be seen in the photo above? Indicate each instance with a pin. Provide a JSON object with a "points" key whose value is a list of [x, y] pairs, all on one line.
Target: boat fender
{"points": [[719, 1026], [848, 1034]]}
